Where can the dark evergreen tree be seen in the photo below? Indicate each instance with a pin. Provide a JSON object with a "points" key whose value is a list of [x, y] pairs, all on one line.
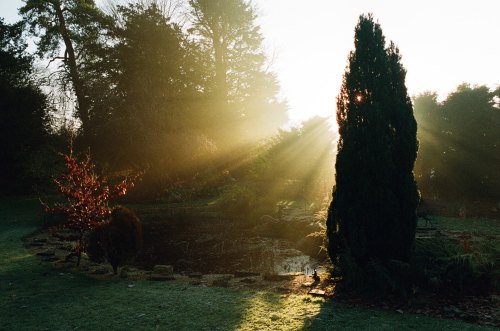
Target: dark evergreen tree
{"points": [[23, 114], [458, 156], [372, 218]]}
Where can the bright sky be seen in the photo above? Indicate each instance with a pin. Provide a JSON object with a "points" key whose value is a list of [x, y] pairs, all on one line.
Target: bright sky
{"points": [[443, 43]]}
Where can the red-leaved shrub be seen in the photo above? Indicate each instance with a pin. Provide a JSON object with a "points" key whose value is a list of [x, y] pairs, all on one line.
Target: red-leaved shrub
{"points": [[86, 196]]}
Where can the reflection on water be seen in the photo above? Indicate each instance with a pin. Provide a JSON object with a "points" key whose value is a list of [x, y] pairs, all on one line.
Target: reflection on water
{"points": [[301, 263]]}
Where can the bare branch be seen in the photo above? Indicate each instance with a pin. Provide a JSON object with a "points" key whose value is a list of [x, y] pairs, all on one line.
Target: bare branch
{"points": [[53, 59]]}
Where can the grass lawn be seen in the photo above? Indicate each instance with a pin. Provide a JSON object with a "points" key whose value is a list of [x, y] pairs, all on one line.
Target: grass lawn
{"points": [[35, 296]]}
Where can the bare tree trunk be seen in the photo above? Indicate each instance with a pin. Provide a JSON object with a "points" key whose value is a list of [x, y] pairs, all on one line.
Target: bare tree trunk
{"points": [[70, 61]]}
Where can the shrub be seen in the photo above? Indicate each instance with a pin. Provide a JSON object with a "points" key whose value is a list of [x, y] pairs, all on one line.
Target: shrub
{"points": [[238, 197], [86, 196], [440, 264], [116, 240]]}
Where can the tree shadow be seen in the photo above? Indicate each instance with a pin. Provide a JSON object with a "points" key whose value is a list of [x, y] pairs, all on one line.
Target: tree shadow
{"points": [[339, 316]]}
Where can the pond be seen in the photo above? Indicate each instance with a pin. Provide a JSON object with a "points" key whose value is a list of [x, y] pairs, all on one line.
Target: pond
{"points": [[209, 244]]}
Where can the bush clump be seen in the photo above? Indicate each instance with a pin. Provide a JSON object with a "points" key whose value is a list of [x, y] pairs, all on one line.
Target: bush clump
{"points": [[116, 240]]}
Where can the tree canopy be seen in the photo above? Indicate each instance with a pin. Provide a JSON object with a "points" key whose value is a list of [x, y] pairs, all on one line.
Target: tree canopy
{"points": [[76, 24], [242, 89], [24, 112], [459, 139]]}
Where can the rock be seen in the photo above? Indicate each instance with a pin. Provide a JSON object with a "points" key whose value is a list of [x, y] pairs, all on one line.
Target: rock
{"points": [[282, 277], [316, 292], [71, 257], [221, 282], [248, 280], [46, 253], [307, 284], [100, 271], [158, 277], [65, 264], [195, 275], [240, 274], [67, 236], [50, 258], [162, 269]]}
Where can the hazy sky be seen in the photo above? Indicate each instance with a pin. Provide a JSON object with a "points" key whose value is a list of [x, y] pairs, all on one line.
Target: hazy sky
{"points": [[443, 43]]}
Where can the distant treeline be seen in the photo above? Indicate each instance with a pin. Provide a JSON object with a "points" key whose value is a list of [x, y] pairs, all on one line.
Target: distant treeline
{"points": [[459, 144], [183, 90], [157, 85]]}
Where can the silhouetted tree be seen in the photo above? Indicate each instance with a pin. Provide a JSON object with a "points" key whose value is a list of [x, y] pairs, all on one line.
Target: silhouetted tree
{"points": [[76, 25], [459, 140], [243, 91], [153, 116], [23, 113], [372, 219]]}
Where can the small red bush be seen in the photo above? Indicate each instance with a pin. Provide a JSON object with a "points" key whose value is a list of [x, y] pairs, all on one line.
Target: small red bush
{"points": [[86, 196]]}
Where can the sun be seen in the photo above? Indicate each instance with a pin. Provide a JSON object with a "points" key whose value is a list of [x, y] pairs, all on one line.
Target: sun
{"points": [[359, 98]]}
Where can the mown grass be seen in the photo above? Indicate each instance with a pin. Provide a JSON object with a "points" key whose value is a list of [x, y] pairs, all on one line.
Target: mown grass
{"points": [[472, 225], [35, 296]]}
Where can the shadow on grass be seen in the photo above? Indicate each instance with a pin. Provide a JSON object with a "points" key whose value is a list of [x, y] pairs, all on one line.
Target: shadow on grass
{"points": [[35, 296], [337, 316]]}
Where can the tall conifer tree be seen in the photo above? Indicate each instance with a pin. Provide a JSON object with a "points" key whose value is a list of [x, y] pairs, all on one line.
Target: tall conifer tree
{"points": [[372, 216]]}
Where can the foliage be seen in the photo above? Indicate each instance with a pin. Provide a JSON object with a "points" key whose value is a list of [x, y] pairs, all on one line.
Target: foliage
{"points": [[238, 197], [117, 240], [442, 265], [86, 196], [147, 89], [242, 91], [459, 138], [77, 25], [24, 113], [372, 216], [151, 114], [304, 154], [293, 165]]}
